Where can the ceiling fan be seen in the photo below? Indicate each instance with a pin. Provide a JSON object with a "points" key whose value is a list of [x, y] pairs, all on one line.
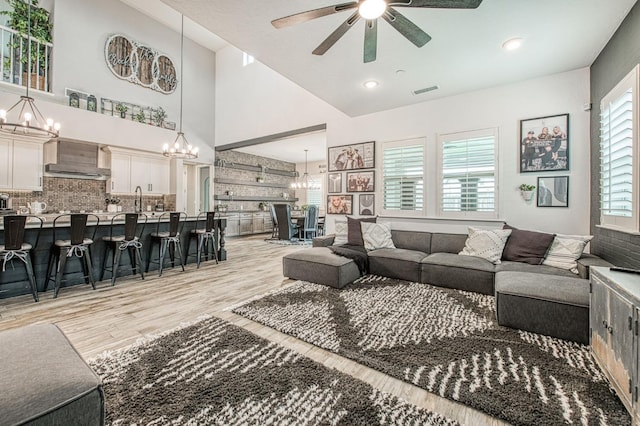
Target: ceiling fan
{"points": [[371, 10]]}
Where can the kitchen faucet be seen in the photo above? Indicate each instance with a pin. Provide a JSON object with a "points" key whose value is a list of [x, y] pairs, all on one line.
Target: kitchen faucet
{"points": [[138, 201]]}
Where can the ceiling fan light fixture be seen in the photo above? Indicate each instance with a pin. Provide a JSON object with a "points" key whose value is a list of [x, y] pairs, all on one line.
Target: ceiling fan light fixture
{"points": [[513, 44], [370, 84], [372, 9]]}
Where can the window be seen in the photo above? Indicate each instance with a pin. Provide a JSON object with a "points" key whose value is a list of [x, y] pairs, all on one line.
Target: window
{"points": [[618, 148], [468, 174], [314, 192], [403, 176], [247, 59]]}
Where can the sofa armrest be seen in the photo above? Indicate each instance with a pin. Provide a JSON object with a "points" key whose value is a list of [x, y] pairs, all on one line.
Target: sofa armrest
{"points": [[586, 261], [323, 241]]}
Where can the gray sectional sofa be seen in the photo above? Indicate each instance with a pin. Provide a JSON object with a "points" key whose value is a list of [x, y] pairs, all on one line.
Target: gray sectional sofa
{"points": [[537, 298]]}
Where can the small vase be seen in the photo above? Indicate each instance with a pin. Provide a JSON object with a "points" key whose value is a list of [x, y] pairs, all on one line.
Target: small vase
{"points": [[112, 208], [527, 195], [123, 114]]}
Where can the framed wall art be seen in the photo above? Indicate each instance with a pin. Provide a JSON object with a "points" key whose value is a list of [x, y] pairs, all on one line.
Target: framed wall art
{"points": [[340, 204], [361, 181], [334, 183], [544, 143], [352, 157], [553, 191], [366, 204]]}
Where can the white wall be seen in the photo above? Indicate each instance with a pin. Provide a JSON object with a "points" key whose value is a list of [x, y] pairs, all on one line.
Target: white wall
{"points": [[257, 111]]}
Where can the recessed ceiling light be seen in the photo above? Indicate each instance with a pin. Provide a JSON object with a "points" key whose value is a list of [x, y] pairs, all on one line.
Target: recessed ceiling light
{"points": [[370, 84], [512, 44]]}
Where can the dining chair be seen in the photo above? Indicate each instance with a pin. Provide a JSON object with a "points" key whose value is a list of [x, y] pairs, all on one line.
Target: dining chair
{"points": [[168, 240], [310, 223], [14, 246], [274, 220], [130, 241], [78, 245], [205, 234], [286, 228]]}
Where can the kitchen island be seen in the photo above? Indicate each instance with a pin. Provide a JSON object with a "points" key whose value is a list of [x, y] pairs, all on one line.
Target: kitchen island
{"points": [[13, 281]]}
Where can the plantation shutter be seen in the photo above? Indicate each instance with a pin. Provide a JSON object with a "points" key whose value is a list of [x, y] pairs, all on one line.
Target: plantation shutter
{"points": [[403, 177], [314, 192], [468, 174]]}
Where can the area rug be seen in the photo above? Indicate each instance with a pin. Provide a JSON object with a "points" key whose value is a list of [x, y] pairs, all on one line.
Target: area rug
{"points": [[447, 342], [294, 242], [213, 372]]}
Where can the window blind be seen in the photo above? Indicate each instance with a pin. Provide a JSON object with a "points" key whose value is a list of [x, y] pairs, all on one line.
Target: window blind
{"points": [[403, 177], [314, 192], [468, 175]]}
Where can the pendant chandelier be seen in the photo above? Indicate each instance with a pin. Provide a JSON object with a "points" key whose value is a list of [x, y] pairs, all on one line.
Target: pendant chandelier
{"points": [[305, 182], [24, 118], [180, 147]]}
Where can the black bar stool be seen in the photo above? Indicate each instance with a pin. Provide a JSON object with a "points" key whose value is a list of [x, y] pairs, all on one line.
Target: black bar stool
{"points": [[15, 247], [168, 239], [77, 246], [204, 236], [130, 241]]}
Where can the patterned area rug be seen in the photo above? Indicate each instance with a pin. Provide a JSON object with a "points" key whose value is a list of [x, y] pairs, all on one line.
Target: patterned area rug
{"points": [[213, 372], [294, 242], [447, 342]]}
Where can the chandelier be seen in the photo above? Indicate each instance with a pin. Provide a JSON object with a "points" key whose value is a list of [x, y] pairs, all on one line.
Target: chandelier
{"points": [[305, 182], [24, 118], [180, 147]]}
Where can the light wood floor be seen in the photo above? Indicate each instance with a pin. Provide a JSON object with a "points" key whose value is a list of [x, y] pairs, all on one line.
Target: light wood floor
{"points": [[115, 317]]}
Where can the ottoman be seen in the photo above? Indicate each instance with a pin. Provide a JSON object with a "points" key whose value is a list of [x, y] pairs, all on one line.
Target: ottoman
{"points": [[44, 381], [320, 265], [553, 305]]}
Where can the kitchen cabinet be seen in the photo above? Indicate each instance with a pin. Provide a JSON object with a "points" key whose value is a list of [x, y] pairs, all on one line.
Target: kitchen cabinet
{"points": [[22, 165], [246, 223], [614, 323], [233, 224], [131, 169]]}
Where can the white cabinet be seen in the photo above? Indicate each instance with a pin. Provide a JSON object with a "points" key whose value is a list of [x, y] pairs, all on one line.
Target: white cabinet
{"points": [[131, 169], [21, 164]]}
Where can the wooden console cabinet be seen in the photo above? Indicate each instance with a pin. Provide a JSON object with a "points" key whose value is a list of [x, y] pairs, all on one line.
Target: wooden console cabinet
{"points": [[614, 323]]}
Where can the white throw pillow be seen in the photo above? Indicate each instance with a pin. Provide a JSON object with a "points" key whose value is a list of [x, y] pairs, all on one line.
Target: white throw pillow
{"points": [[376, 235], [487, 244], [341, 232], [565, 250]]}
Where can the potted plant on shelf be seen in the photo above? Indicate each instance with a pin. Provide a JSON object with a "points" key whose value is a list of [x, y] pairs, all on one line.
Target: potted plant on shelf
{"points": [[112, 204], [122, 109], [158, 116], [41, 29], [140, 117], [526, 191]]}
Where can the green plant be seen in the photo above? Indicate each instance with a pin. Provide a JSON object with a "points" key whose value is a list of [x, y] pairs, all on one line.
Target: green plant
{"points": [[159, 115], [122, 108], [526, 187], [140, 117], [41, 29]]}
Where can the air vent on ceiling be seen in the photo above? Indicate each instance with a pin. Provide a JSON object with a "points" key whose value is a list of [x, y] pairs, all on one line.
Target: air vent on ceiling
{"points": [[425, 90]]}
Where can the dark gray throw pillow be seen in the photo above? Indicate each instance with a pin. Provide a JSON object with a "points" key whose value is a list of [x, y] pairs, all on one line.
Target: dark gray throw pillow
{"points": [[354, 233], [526, 246]]}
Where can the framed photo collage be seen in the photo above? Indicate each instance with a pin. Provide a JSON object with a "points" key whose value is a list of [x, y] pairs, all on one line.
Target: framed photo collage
{"points": [[350, 187]]}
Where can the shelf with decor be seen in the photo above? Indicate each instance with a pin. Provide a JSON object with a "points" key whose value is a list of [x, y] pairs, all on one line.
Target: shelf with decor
{"points": [[221, 164], [254, 198], [250, 183]]}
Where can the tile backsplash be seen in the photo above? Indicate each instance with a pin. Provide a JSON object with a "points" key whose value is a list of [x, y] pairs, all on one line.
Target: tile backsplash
{"points": [[83, 194]]}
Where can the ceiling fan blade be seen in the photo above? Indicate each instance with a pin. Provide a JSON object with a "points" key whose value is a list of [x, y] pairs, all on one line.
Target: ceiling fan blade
{"points": [[370, 40], [441, 4], [405, 27], [312, 14], [335, 36]]}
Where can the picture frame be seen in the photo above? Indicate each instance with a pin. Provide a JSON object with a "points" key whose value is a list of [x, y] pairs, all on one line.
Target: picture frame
{"points": [[352, 157], [340, 204], [367, 204], [553, 191], [544, 144], [361, 181], [334, 183]]}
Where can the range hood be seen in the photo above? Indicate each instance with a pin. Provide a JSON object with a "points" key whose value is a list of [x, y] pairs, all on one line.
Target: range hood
{"points": [[74, 157]]}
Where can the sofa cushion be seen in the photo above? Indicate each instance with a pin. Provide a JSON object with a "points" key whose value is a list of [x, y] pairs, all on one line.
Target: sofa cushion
{"points": [[354, 231], [526, 246], [565, 250], [450, 270], [412, 240], [340, 232], [396, 263], [486, 243], [509, 266], [447, 243], [376, 235], [320, 265]]}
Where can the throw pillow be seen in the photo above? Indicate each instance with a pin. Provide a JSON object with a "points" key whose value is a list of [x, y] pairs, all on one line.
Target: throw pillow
{"points": [[526, 246], [376, 235], [565, 250], [487, 244], [341, 232], [354, 233]]}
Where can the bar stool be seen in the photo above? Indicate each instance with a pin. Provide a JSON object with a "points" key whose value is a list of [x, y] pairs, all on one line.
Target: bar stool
{"points": [[77, 246], [15, 247], [130, 241], [168, 239], [204, 236]]}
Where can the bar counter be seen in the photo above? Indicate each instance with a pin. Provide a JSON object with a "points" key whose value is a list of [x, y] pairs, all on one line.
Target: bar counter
{"points": [[13, 281]]}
